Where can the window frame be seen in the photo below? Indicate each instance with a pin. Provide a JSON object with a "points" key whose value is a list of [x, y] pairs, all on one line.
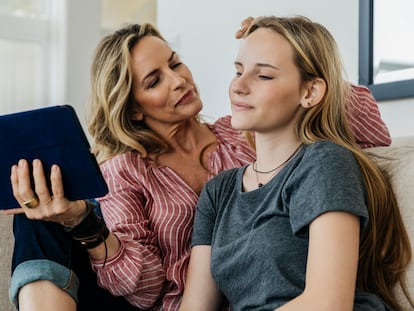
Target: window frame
{"points": [[381, 91], [48, 31]]}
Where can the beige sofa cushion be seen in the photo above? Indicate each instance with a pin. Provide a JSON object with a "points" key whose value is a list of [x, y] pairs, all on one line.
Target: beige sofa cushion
{"points": [[6, 249], [398, 161]]}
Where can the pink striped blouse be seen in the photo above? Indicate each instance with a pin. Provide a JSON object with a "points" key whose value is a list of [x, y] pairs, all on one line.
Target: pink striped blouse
{"points": [[151, 209], [365, 119]]}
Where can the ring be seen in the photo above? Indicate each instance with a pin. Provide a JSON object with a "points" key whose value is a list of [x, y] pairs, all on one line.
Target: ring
{"points": [[47, 201], [32, 203]]}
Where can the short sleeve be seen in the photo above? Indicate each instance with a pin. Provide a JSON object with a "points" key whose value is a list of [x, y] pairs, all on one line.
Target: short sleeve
{"points": [[329, 180], [204, 218], [364, 117]]}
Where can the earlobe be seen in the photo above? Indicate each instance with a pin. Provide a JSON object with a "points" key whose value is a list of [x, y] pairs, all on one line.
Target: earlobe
{"points": [[138, 116], [314, 92]]}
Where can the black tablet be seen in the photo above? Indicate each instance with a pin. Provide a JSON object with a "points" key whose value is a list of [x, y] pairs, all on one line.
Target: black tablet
{"points": [[55, 136]]}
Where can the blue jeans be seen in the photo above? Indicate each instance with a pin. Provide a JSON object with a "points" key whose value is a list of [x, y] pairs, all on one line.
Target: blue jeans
{"points": [[44, 251]]}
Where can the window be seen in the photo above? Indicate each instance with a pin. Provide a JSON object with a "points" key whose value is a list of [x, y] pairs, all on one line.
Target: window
{"points": [[28, 61], [115, 16], [386, 62]]}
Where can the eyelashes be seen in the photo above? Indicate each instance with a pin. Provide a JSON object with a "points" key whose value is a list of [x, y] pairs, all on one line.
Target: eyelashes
{"points": [[261, 77], [154, 82]]}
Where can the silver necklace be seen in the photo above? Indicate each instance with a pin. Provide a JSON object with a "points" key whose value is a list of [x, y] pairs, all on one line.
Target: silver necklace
{"points": [[259, 184], [273, 170]]}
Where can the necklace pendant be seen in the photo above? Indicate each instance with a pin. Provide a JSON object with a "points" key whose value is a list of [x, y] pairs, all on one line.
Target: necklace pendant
{"points": [[259, 185]]}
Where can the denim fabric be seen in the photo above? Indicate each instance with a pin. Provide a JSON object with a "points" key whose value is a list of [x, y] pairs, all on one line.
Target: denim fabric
{"points": [[44, 251], [42, 269]]}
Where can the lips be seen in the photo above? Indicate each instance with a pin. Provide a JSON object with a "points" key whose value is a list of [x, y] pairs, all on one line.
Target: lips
{"points": [[186, 98], [239, 106]]}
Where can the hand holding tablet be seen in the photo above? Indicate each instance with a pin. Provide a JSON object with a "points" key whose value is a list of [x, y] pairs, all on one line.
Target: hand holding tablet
{"points": [[54, 136]]}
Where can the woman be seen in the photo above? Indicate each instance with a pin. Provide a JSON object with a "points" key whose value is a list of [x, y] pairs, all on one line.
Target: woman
{"points": [[155, 155], [312, 216]]}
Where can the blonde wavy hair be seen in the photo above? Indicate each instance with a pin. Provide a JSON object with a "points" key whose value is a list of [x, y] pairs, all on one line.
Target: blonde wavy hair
{"points": [[385, 250], [111, 101]]}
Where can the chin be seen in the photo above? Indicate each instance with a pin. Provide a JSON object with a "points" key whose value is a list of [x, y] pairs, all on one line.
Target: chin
{"points": [[195, 107], [239, 123], [198, 109]]}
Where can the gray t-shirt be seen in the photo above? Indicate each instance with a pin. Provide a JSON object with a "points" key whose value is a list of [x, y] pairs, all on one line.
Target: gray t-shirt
{"points": [[260, 238]]}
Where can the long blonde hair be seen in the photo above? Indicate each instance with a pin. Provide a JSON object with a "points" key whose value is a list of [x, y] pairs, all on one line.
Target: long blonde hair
{"points": [[385, 250], [111, 101]]}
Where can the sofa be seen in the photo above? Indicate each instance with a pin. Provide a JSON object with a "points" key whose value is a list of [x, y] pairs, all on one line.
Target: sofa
{"points": [[397, 160], [6, 249]]}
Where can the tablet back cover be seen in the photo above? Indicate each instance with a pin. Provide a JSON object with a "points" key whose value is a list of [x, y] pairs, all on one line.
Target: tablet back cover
{"points": [[55, 136]]}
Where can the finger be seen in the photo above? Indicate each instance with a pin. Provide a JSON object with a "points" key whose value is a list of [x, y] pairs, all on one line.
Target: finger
{"points": [[239, 33], [247, 21], [24, 188], [57, 182], [13, 211], [20, 170], [15, 182], [244, 26], [41, 187]]}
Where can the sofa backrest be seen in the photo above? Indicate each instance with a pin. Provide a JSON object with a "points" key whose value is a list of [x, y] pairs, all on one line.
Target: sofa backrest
{"points": [[398, 161]]}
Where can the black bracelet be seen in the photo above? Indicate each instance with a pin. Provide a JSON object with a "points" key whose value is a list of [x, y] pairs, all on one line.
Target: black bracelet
{"points": [[91, 231]]}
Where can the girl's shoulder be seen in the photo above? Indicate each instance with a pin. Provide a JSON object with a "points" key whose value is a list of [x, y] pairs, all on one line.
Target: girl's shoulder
{"points": [[225, 177], [327, 149]]}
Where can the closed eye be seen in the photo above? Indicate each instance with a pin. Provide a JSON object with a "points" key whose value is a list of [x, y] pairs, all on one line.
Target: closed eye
{"points": [[153, 83], [176, 65], [262, 77]]}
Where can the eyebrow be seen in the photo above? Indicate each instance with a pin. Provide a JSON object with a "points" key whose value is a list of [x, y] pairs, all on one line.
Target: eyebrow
{"points": [[265, 65], [172, 56], [173, 53]]}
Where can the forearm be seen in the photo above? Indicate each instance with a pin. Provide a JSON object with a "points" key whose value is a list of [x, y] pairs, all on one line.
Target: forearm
{"points": [[106, 249], [134, 272], [315, 302], [92, 232], [127, 262]]}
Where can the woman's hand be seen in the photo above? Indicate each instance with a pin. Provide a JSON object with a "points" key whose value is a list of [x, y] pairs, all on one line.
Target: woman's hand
{"points": [[40, 203], [244, 26]]}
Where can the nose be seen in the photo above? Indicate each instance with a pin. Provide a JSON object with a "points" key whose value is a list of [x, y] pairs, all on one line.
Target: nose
{"points": [[177, 79], [239, 86]]}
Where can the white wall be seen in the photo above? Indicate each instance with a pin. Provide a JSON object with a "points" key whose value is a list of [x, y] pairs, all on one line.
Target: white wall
{"points": [[203, 33], [398, 115], [83, 31]]}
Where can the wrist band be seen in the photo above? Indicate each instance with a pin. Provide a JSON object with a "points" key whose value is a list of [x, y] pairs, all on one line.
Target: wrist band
{"points": [[91, 231]]}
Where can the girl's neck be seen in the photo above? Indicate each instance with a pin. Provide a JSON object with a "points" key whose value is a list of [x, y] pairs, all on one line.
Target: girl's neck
{"points": [[273, 150]]}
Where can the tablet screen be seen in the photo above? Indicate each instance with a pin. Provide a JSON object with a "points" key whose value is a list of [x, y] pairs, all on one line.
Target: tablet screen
{"points": [[55, 136]]}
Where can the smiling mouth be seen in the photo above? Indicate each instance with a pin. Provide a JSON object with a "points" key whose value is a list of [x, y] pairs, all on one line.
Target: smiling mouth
{"points": [[185, 98], [241, 106]]}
